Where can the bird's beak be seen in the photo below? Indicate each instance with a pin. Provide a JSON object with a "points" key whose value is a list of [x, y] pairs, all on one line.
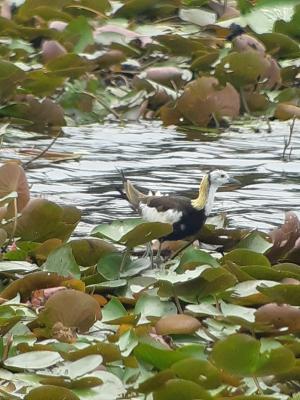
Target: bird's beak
{"points": [[233, 181]]}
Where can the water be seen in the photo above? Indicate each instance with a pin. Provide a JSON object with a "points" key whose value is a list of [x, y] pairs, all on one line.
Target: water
{"points": [[170, 161]]}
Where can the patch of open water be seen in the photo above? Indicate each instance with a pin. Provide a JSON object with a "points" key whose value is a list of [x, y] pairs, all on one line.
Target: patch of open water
{"points": [[170, 161]]}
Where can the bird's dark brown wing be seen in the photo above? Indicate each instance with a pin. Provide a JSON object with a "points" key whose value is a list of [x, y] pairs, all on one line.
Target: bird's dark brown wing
{"points": [[164, 203]]}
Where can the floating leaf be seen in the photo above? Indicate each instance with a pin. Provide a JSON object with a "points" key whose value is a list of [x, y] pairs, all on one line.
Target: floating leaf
{"points": [[246, 257], [255, 242], [204, 98], [199, 371], [33, 360], [193, 257], [13, 179], [62, 262], [241, 69], [177, 324], [182, 389], [42, 219], [49, 392], [132, 232], [79, 310], [36, 280], [250, 360], [288, 294]]}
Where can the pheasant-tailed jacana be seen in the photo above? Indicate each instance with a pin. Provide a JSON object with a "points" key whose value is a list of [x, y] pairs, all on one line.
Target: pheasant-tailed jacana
{"points": [[187, 216]]}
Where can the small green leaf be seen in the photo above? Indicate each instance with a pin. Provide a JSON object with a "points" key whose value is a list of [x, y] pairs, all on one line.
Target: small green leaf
{"points": [[246, 257], [255, 241], [62, 262], [193, 257]]}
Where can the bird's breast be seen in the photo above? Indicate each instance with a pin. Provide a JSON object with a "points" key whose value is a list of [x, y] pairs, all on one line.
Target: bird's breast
{"points": [[151, 214]]}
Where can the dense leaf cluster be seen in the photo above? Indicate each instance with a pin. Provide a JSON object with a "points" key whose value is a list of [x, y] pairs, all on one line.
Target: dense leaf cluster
{"points": [[94, 319], [66, 62]]}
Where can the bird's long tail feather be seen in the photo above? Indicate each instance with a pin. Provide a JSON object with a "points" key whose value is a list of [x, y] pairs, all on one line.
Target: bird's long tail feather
{"points": [[129, 192]]}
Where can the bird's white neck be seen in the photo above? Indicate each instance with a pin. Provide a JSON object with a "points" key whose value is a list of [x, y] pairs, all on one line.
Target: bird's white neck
{"points": [[210, 199], [206, 196]]}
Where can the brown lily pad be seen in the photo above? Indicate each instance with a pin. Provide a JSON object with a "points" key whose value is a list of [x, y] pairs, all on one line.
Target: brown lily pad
{"points": [[279, 316], [71, 308], [13, 179], [37, 280], [204, 98], [42, 220], [177, 324]]}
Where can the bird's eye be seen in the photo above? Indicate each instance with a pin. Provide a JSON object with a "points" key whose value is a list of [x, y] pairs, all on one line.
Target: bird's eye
{"points": [[222, 176]]}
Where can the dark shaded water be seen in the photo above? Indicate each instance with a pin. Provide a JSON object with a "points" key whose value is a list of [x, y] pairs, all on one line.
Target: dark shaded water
{"points": [[170, 161]]}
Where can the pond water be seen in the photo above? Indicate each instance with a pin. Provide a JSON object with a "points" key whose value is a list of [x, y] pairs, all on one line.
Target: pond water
{"points": [[171, 161]]}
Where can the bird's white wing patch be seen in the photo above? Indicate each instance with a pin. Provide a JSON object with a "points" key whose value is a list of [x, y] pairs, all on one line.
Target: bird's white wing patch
{"points": [[152, 215]]}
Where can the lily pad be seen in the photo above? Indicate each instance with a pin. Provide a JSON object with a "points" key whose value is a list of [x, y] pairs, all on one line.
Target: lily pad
{"points": [[49, 392], [79, 310], [251, 360], [132, 232], [33, 360]]}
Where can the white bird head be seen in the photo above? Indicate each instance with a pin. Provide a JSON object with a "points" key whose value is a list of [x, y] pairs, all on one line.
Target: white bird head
{"points": [[219, 178]]}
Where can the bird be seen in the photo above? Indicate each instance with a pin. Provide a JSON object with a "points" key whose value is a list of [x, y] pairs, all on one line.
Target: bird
{"points": [[187, 216]]}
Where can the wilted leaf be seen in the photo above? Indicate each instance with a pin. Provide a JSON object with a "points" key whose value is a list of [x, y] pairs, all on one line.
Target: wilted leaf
{"points": [[87, 252], [279, 316], [177, 324], [72, 308], [285, 111], [36, 280], [52, 49], [50, 392], [42, 220], [204, 98], [13, 179]]}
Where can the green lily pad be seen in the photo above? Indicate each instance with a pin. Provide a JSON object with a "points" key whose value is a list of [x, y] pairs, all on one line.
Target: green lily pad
{"points": [[251, 359], [132, 232], [193, 257], [33, 360], [241, 69], [255, 241], [181, 389], [283, 293], [62, 262], [202, 372], [246, 257]]}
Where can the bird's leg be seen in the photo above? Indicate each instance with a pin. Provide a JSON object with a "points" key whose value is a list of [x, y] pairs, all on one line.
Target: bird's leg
{"points": [[159, 261], [149, 252]]}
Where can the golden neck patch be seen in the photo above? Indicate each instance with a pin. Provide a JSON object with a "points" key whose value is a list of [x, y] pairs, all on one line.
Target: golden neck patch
{"points": [[200, 201]]}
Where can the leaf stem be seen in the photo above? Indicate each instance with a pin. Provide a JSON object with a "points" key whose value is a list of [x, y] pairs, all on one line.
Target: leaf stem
{"points": [[28, 163], [259, 389]]}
